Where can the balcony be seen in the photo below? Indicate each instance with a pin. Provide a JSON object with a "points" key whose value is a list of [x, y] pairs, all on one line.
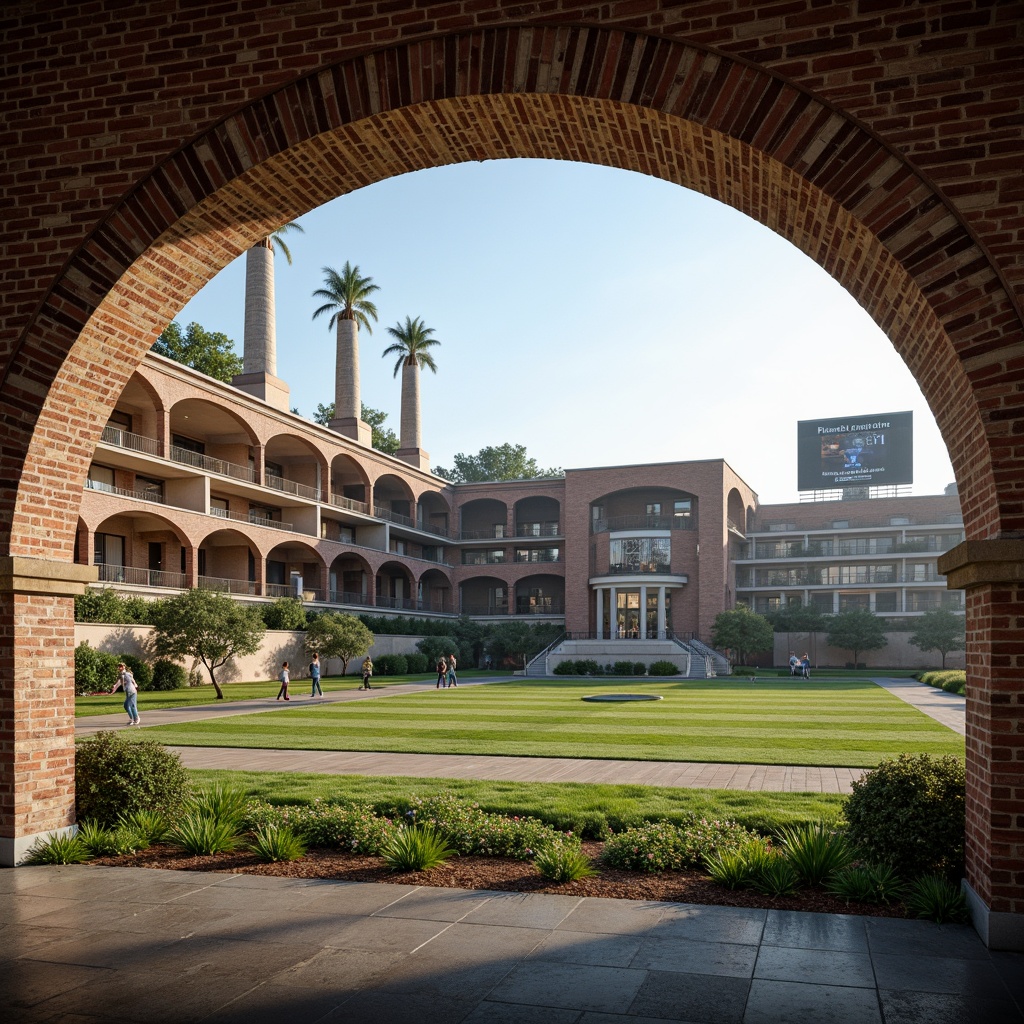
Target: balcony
{"points": [[135, 577], [280, 483], [349, 597], [252, 520], [227, 586], [636, 568], [613, 524], [340, 501], [537, 530], [208, 465], [132, 442], [123, 492]]}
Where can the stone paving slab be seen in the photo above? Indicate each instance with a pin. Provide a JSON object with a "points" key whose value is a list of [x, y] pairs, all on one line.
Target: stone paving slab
{"points": [[414, 953]]}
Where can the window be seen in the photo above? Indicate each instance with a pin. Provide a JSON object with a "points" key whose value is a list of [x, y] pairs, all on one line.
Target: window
{"points": [[781, 527], [850, 602], [274, 469], [887, 602], [120, 420], [219, 507], [101, 478], [823, 602], [682, 508], [840, 524], [654, 508], [640, 554], [152, 490], [108, 549], [260, 513], [899, 520], [537, 555], [495, 556], [188, 444]]}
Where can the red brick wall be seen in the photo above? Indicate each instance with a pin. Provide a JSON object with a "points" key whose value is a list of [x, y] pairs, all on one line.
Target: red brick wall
{"points": [[145, 147]]}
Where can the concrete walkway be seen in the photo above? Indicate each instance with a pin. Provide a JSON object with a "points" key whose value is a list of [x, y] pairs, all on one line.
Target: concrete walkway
{"points": [[944, 707], [93, 944]]}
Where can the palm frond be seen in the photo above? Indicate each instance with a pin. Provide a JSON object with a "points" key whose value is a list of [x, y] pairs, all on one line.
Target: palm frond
{"points": [[347, 297], [412, 339], [277, 240]]}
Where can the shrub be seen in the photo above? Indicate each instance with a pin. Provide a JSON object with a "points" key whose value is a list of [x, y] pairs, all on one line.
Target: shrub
{"points": [[815, 851], [58, 849], [94, 670], [950, 680], [418, 848], [201, 835], [564, 862], [222, 803], [103, 842], [865, 883], [662, 668], [284, 613], [417, 664], [391, 665], [936, 899], [354, 828], [108, 606], [168, 675], [909, 812], [139, 669], [729, 868], [622, 668], [273, 843], [152, 826], [777, 877], [565, 668], [115, 775], [662, 846], [639, 668]]}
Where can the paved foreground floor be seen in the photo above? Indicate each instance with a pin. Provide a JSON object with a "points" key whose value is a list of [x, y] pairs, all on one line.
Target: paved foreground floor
{"points": [[90, 944]]}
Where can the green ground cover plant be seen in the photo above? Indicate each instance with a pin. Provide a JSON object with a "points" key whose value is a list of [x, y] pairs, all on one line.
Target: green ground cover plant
{"points": [[952, 680], [846, 722], [663, 846]]}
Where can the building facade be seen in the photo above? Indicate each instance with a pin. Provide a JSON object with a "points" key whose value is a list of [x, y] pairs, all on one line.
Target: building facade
{"points": [[197, 484]]}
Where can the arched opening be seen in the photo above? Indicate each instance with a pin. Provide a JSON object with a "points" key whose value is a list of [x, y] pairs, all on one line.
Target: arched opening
{"points": [[350, 485], [433, 513], [537, 516], [209, 437], [395, 587], [483, 519], [136, 550], [435, 592], [295, 569], [393, 500], [350, 581], [768, 133], [540, 595], [293, 466], [229, 562]]}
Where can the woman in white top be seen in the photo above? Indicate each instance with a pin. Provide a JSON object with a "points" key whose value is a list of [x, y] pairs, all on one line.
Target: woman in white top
{"points": [[126, 682]]}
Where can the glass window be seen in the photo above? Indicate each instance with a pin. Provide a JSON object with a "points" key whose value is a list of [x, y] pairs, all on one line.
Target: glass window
{"points": [[101, 478], [888, 601], [261, 512], [840, 524], [492, 557], [683, 507], [108, 549], [640, 554], [219, 507], [654, 508], [537, 554], [121, 420], [152, 489], [188, 444], [850, 602], [274, 469]]}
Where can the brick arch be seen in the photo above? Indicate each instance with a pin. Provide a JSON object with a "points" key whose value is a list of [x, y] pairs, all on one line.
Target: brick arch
{"points": [[804, 119], [732, 131]]}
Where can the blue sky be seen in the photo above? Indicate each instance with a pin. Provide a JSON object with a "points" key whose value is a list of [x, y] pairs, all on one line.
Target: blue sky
{"points": [[599, 317]]}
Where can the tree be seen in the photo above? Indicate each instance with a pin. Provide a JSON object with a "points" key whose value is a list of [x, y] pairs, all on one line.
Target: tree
{"points": [[515, 641], [209, 352], [741, 630], [335, 635], [412, 343], [940, 631], [506, 462], [346, 298], [207, 626], [434, 647], [383, 439], [856, 631], [284, 613]]}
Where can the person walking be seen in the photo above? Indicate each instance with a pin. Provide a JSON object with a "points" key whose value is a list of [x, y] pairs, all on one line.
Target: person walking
{"points": [[126, 682], [367, 673], [453, 679], [805, 667], [442, 673], [285, 678], [314, 675]]}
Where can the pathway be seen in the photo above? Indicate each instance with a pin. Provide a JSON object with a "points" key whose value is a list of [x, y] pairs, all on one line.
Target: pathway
{"points": [[943, 707]]}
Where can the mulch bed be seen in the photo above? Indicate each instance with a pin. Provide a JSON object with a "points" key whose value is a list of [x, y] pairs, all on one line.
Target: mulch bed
{"points": [[506, 875]]}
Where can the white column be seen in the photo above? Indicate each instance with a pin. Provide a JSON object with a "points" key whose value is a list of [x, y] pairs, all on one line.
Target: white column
{"points": [[661, 613], [612, 609], [600, 612], [643, 611]]}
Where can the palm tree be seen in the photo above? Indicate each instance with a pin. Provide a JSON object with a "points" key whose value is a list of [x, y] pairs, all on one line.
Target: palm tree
{"points": [[347, 299], [259, 344], [412, 341]]}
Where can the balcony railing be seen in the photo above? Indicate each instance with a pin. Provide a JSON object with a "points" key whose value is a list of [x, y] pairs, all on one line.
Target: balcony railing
{"points": [[468, 608], [280, 483], [407, 603], [349, 597], [638, 568], [133, 442], [124, 492], [537, 530], [227, 586], [209, 465], [251, 519], [393, 517], [136, 577], [547, 607], [340, 501], [495, 532], [614, 524], [537, 559]]}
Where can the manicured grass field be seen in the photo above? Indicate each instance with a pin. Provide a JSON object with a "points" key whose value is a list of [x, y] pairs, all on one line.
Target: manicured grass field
{"points": [[577, 806], [843, 722], [153, 700]]}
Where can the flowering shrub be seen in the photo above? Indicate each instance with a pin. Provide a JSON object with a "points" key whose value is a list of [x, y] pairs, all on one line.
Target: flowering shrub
{"points": [[469, 830], [662, 846], [355, 828]]}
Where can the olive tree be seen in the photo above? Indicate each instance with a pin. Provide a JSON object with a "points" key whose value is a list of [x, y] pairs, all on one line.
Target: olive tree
{"points": [[335, 635]]}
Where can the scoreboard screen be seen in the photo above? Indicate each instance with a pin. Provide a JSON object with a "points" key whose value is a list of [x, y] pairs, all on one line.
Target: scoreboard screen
{"points": [[855, 451]]}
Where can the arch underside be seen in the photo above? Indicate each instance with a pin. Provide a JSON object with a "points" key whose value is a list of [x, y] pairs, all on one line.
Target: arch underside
{"points": [[751, 141]]}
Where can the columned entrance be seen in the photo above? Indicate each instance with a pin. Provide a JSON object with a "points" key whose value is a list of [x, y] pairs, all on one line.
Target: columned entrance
{"points": [[633, 612]]}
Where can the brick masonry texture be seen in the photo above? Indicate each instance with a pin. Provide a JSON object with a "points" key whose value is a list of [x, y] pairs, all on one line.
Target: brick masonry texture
{"points": [[145, 146]]}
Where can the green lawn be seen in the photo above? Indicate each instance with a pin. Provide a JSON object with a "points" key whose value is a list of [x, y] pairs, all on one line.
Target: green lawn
{"points": [[582, 807], [152, 700], [844, 722]]}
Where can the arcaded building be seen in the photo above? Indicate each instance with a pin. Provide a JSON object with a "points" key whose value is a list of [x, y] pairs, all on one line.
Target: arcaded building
{"points": [[198, 484]]}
